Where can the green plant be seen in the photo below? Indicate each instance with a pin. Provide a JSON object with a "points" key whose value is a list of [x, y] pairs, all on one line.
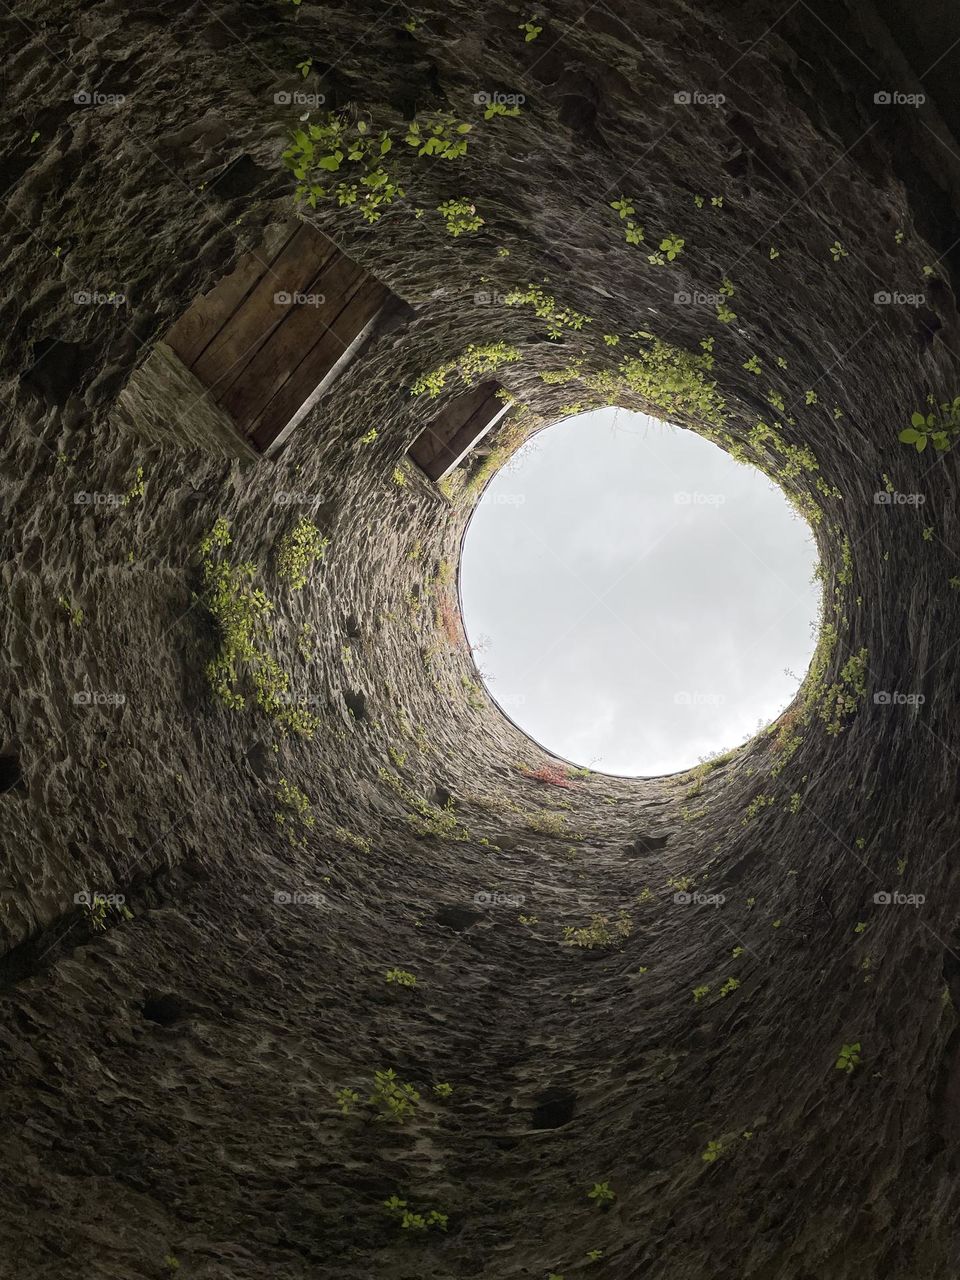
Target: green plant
{"points": [[297, 551], [369, 436], [443, 1090], [842, 698], [347, 1099], [410, 1221], [601, 1193], [837, 251], [135, 490], [632, 231], [460, 216], [238, 612], [295, 809], [337, 145], [939, 427], [474, 362], [547, 822], [546, 307], [599, 932], [713, 1151], [443, 136], [849, 1057], [347, 837], [402, 977], [76, 614], [699, 993], [672, 246], [731, 984], [530, 30], [392, 1097]]}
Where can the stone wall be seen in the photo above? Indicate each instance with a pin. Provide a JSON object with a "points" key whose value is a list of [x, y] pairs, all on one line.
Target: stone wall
{"points": [[169, 1081]]}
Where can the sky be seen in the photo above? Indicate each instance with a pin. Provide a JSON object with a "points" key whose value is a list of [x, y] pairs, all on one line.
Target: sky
{"points": [[636, 599]]}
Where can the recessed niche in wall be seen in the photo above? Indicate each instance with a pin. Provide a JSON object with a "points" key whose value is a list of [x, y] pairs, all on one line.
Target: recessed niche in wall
{"points": [[638, 600], [248, 360], [460, 425]]}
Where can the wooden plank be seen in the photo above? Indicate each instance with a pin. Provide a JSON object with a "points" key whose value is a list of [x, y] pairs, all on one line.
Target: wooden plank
{"points": [[258, 315], [286, 347], [207, 315], [318, 362], [482, 420], [451, 418]]}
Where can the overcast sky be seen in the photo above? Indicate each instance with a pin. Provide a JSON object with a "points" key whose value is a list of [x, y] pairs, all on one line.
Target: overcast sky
{"points": [[637, 595]]}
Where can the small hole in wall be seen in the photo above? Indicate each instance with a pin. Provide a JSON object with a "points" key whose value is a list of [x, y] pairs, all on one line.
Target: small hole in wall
{"points": [[163, 1008], [554, 1108], [356, 704], [11, 775]]}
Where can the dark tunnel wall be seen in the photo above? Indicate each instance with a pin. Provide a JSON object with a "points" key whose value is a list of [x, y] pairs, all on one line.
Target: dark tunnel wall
{"points": [[172, 1068]]}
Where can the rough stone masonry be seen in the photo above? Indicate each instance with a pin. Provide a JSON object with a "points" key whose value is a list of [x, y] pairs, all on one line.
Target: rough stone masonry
{"points": [[204, 1069]]}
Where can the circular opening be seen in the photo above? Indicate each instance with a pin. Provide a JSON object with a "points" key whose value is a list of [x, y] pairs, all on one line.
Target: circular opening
{"points": [[636, 599]]}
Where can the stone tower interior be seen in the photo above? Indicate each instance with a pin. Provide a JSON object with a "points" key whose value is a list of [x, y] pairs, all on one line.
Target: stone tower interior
{"points": [[285, 284]]}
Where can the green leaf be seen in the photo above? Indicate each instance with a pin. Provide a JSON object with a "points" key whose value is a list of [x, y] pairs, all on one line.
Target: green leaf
{"points": [[921, 444], [918, 420], [909, 435], [330, 163]]}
